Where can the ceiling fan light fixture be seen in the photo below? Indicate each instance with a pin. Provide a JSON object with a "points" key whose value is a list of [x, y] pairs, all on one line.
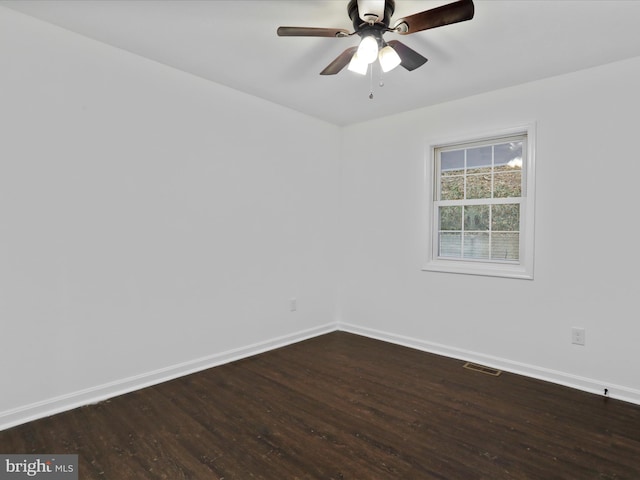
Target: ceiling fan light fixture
{"points": [[357, 65], [368, 49], [389, 59]]}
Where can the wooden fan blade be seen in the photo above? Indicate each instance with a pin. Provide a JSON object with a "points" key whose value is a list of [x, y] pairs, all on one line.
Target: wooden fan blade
{"points": [[312, 32], [436, 17], [340, 62], [409, 58]]}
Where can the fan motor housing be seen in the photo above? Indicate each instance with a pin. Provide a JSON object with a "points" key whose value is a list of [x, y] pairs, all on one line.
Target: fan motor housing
{"points": [[354, 14]]}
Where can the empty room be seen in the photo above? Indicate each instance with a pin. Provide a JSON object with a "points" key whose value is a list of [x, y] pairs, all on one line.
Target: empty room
{"points": [[319, 239]]}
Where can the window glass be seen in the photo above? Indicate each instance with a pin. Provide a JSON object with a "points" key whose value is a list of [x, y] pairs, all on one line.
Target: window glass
{"points": [[476, 217]]}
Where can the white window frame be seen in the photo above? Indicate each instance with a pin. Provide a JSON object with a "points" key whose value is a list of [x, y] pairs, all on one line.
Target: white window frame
{"points": [[522, 269]]}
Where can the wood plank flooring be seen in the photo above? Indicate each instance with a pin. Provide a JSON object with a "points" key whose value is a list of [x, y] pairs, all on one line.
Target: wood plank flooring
{"points": [[344, 407]]}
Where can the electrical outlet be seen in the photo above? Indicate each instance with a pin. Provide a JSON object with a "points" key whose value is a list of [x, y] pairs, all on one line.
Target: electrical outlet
{"points": [[293, 304], [578, 336]]}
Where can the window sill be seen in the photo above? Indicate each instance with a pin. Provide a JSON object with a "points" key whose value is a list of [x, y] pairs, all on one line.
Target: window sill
{"points": [[479, 268]]}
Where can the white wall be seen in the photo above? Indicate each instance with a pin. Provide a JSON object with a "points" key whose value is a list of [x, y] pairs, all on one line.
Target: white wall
{"points": [[151, 222], [586, 251]]}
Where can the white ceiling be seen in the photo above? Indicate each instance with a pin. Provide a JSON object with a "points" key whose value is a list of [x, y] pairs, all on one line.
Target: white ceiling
{"points": [[234, 43]]}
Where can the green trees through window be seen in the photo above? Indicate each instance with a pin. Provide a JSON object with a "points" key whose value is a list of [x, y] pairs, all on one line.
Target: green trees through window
{"points": [[478, 200]]}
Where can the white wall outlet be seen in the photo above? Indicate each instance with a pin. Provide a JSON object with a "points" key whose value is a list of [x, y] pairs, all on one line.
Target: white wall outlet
{"points": [[577, 336], [293, 304]]}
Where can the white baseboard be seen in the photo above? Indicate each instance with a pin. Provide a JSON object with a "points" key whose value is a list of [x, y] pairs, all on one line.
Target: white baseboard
{"points": [[45, 408], [34, 411], [580, 383]]}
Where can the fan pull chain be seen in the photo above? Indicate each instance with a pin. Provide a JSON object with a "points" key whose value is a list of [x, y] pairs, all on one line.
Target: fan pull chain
{"points": [[380, 82]]}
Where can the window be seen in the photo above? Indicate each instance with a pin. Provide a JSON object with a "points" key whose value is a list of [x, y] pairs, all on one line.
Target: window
{"points": [[482, 206]]}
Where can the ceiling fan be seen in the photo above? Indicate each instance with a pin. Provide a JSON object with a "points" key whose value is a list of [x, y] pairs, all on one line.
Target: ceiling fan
{"points": [[371, 20]]}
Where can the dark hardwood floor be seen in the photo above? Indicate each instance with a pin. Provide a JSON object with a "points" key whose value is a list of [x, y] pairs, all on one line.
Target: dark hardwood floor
{"points": [[341, 406]]}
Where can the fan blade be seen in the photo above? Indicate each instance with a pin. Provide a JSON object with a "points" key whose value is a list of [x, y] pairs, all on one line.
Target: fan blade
{"points": [[436, 17], [410, 59], [340, 62], [312, 32]]}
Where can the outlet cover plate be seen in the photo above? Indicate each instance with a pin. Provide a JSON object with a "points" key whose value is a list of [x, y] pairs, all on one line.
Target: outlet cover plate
{"points": [[578, 336]]}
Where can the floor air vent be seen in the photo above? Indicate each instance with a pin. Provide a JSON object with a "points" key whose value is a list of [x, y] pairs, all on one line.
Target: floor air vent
{"points": [[482, 369]]}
